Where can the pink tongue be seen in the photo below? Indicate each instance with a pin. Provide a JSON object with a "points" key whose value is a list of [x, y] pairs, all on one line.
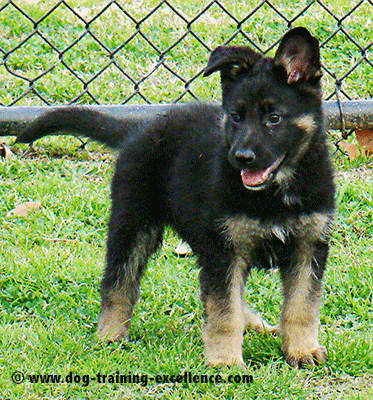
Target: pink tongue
{"points": [[254, 178]]}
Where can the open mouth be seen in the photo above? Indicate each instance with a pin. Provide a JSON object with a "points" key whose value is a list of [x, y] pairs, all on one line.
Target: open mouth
{"points": [[258, 180]]}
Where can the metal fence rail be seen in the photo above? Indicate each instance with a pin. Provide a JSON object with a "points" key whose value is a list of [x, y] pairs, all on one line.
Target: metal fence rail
{"points": [[356, 115], [135, 52]]}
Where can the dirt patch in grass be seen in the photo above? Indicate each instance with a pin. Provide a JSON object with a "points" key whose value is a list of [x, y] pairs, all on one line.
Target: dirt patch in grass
{"points": [[341, 387], [357, 173]]}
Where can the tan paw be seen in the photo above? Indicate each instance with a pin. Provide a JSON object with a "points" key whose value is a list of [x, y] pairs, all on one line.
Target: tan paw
{"points": [[109, 335], [227, 360], [111, 330], [223, 350], [315, 357]]}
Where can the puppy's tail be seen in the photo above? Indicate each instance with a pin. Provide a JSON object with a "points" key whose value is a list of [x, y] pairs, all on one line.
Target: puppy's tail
{"points": [[78, 120]]}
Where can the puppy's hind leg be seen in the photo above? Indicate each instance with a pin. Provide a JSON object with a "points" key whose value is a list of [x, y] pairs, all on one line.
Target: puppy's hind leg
{"points": [[135, 232], [126, 261]]}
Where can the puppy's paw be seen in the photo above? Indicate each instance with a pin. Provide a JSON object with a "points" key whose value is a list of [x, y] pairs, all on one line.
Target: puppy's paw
{"points": [[221, 350], [109, 336], [112, 330], [309, 359], [229, 361]]}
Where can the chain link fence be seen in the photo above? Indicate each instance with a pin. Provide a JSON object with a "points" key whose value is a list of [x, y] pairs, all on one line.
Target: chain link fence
{"points": [[137, 52]]}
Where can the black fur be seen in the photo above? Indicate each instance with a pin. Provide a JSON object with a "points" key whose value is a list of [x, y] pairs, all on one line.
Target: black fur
{"points": [[80, 120], [247, 185]]}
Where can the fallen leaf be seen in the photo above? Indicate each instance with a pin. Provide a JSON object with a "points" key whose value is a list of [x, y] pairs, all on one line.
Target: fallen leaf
{"points": [[352, 151], [23, 210], [365, 138], [5, 152]]}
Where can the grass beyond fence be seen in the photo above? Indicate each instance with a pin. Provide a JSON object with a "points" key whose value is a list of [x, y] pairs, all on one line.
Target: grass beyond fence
{"points": [[52, 260], [116, 52]]}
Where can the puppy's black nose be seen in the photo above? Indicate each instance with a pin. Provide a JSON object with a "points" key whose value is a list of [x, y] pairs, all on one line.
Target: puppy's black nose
{"points": [[244, 157]]}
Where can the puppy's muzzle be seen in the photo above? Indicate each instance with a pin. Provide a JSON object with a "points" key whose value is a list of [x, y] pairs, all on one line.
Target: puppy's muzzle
{"points": [[252, 178]]}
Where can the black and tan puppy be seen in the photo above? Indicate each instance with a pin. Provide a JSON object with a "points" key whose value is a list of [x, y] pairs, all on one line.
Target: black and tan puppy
{"points": [[246, 185]]}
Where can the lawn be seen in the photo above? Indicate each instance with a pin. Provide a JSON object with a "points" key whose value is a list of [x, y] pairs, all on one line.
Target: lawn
{"points": [[52, 260], [51, 57]]}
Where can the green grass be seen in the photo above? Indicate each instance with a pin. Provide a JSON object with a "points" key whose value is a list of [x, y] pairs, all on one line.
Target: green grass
{"points": [[90, 60], [52, 260], [51, 267]]}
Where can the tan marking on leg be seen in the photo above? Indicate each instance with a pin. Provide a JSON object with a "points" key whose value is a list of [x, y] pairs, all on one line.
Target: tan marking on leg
{"points": [[115, 316], [300, 315], [244, 233], [146, 243], [117, 305], [223, 334]]}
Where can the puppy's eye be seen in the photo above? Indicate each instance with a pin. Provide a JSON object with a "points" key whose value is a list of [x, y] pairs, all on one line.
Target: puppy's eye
{"points": [[274, 119], [236, 117]]}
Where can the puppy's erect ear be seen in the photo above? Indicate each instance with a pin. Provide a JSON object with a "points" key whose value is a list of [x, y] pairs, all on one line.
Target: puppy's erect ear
{"points": [[231, 61], [299, 54]]}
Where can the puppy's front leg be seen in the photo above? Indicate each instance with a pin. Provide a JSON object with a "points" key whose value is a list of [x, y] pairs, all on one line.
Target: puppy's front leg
{"points": [[225, 319], [300, 315]]}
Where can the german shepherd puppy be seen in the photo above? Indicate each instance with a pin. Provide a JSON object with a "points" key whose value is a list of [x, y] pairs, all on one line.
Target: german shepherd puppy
{"points": [[246, 185]]}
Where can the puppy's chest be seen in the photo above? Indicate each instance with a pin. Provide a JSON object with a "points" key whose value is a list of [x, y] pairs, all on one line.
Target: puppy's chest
{"points": [[246, 233]]}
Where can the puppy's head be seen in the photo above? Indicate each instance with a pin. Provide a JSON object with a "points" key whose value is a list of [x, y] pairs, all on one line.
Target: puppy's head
{"points": [[272, 106]]}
